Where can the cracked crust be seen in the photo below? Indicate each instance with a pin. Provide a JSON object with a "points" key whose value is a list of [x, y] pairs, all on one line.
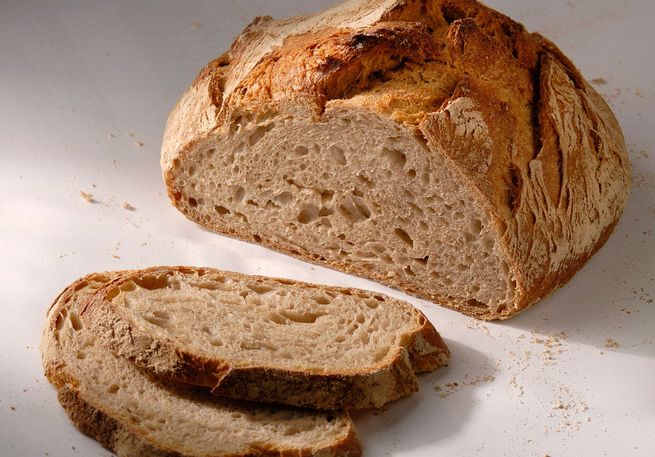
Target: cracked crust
{"points": [[513, 118], [393, 377]]}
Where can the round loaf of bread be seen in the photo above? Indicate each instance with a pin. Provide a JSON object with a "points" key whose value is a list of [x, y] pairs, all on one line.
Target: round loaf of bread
{"points": [[434, 146]]}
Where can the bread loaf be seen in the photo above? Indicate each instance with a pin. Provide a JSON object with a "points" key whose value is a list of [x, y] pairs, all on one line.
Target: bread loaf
{"points": [[134, 414], [265, 339], [434, 146]]}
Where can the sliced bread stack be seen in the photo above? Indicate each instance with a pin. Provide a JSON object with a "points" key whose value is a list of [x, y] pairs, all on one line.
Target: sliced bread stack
{"points": [[136, 356]]}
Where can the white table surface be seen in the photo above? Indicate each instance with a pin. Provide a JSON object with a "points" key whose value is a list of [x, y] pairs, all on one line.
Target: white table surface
{"points": [[85, 87]]}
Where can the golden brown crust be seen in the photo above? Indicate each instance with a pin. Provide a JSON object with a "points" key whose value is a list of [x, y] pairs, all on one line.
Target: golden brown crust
{"points": [[421, 350], [331, 63], [428, 350], [517, 122]]}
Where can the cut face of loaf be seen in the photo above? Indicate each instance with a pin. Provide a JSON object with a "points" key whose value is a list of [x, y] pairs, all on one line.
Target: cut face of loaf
{"points": [[264, 339], [135, 415], [355, 191], [435, 146]]}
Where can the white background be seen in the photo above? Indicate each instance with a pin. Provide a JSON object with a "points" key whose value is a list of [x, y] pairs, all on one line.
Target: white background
{"points": [[82, 82]]}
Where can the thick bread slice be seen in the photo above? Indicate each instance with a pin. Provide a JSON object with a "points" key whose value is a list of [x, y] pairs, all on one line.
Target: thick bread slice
{"points": [[134, 415], [433, 145], [264, 339]]}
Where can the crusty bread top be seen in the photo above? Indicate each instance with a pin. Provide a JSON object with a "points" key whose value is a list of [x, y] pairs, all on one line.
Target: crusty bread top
{"points": [[344, 347], [517, 121], [137, 415]]}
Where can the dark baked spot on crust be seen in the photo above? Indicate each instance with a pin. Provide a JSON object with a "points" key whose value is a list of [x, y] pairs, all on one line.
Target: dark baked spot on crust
{"points": [[452, 13], [514, 188], [535, 107]]}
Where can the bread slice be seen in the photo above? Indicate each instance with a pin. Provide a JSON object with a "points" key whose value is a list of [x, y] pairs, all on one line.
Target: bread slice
{"points": [[435, 146], [134, 415], [264, 339]]}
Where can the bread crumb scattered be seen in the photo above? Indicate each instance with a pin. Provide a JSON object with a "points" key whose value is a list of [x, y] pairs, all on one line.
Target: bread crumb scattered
{"points": [[116, 248], [559, 405], [13, 408], [568, 410], [475, 324], [611, 344], [88, 197], [519, 388], [111, 135], [128, 207], [599, 81], [140, 143], [196, 25], [452, 387], [553, 346], [130, 134]]}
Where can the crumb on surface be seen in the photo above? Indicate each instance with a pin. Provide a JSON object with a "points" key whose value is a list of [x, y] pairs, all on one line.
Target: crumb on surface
{"points": [[128, 207], [140, 143], [569, 411], [559, 405], [599, 81], [611, 344], [115, 256], [452, 387], [475, 324], [553, 345], [87, 197]]}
